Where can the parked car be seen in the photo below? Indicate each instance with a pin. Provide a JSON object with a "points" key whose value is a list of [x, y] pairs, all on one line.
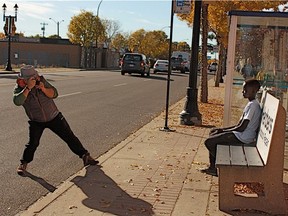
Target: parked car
{"points": [[151, 62], [186, 65], [176, 64], [135, 63], [161, 66], [213, 67]]}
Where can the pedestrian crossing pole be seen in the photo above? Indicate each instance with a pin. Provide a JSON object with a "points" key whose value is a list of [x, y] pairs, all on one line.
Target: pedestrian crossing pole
{"points": [[182, 7], [166, 128]]}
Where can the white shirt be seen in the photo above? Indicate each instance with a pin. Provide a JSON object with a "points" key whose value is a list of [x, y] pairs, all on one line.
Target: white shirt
{"points": [[252, 112]]}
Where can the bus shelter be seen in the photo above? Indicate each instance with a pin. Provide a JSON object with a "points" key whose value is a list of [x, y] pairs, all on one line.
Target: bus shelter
{"points": [[257, 48]]}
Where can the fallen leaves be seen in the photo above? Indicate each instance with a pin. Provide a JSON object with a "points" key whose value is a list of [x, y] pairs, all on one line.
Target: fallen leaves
{"points": [[212, 112], [249, 189]]}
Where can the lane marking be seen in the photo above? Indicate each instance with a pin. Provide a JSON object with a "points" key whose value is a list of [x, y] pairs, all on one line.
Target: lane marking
{"points": [[122, 84], [7, 84], [65, 95]]}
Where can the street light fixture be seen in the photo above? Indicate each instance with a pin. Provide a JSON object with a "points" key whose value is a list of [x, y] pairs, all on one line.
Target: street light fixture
{"points": [[58, 23], [9, 29], [99, 7]]}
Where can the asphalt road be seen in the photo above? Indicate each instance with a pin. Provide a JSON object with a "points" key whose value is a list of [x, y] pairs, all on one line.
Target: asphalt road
{"points": [[102, 108]]}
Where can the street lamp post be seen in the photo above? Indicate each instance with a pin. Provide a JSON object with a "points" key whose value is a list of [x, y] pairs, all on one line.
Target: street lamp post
{"points": [[99, 7], [191, 115], [9, 29], [57, 23], [96, 41]]}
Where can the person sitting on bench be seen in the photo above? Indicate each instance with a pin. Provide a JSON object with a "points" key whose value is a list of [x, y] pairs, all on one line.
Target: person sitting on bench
{"points": [[244, 133]]}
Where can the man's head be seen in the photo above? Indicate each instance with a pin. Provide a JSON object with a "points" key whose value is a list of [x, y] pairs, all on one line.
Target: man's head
{"points": [[28, 71], [250, 89]]}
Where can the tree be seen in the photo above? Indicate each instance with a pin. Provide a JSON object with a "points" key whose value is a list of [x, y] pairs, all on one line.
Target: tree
{"points": [[183, 46], [55, 36], [135, 40], [35, 36], [85, 29], [120, 41], [155, 44], [2, 35], [111, 29]]}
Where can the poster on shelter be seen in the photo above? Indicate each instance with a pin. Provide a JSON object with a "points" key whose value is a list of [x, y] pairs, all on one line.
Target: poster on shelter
{"points": [[269, 114]]}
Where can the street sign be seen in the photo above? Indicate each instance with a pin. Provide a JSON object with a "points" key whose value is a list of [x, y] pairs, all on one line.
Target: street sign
{"points": [[182, 6]]}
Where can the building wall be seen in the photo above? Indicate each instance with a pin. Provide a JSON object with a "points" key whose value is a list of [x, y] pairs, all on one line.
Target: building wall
{"points": [[60, 55], [56, 53]]}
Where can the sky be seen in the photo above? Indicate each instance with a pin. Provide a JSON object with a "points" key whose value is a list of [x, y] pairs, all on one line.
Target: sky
{"points": [[132, 15]]}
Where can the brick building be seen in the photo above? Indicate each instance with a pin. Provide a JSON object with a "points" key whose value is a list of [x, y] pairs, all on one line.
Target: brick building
{"points": [[52, 52]]}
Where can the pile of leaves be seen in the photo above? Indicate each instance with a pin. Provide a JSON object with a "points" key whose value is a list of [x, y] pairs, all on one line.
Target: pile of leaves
{"points": [[249, 188], [212, 112]]}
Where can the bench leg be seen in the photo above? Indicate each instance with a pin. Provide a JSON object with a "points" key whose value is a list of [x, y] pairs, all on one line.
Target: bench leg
{"points": [[273, 201]]}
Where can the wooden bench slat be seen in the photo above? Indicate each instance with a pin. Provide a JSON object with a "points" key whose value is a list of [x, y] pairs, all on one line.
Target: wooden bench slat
{"points": [[223, 155], [252, 156], [237, 156]]}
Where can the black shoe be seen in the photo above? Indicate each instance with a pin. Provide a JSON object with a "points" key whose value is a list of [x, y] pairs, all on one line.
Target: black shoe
{"points": [[22, 169], [88, 160], [210, 171]]}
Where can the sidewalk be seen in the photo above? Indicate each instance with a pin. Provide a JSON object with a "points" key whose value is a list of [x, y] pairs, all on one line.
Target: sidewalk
{"points": [[41, 70], [150, 173]]}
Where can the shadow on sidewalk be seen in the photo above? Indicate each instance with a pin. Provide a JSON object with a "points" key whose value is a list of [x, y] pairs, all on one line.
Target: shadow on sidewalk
{"points": [[41, 181], [106, 196]]}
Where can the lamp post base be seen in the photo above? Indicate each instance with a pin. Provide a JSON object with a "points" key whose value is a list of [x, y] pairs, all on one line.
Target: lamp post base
{"points": [[167, 129], [191, 115], [190, 119], [8, 68]]}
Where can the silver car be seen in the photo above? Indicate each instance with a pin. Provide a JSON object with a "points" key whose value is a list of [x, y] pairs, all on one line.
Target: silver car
{"points": [[160, 66], [135, 63]]}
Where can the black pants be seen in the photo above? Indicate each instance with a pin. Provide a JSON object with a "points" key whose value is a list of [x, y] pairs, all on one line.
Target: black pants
{"points": [[225, 138], [59, 126]]}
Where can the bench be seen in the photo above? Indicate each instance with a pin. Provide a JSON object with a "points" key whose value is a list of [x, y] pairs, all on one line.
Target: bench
{"points": [[259, 165]]}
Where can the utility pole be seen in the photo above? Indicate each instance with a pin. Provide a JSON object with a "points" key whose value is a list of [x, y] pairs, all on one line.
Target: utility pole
{"points": [[57, 23], [43, 28]]}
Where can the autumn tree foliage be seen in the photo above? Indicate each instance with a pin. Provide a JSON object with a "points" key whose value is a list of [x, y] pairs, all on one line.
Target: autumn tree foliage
{"points": [[217, 14], [84, 29], [2, 35], [154, 44], [120, 41]]}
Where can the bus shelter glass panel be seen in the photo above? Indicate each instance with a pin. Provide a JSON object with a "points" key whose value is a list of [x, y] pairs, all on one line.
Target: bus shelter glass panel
{"points": [[260, 51]]}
